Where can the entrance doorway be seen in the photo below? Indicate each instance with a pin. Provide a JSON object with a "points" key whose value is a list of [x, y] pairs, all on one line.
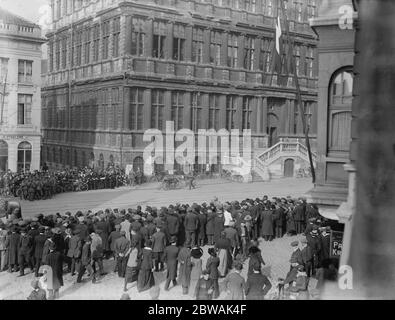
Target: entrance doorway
{"points": [[289, 168]]}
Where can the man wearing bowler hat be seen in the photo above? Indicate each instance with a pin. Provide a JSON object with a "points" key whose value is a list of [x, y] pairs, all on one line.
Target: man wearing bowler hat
{"points": [[170, 258]]}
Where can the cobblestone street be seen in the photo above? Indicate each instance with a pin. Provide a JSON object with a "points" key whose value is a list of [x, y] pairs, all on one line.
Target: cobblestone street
{"points": [[276, 253]]}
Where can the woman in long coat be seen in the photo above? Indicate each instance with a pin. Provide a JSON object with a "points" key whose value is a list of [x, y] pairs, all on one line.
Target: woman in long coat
{"points": [[196, 271], [210, 227], [184, 277], [146, 277], [54, 260], [13, 248], [223, 245], [267, 224]]}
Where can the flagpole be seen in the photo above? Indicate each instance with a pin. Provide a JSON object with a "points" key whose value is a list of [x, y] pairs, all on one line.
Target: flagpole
{"points": [[298, 94]]}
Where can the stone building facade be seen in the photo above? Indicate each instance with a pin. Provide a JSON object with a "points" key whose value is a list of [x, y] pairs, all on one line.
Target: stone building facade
{"points": [[117, 68], [20, 93]]}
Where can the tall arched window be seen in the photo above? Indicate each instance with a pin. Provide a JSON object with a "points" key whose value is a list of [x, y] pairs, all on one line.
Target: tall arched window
{"points": [[3, 156], [339, 112], [24, 156]]}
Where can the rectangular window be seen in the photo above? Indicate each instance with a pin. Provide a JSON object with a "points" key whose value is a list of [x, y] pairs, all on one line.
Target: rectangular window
{"points": [[87, 45], [247, 112], [157, 110], [231, 107], [96, 42], [309, 62], [268, 8], [213, 117], [24, 109], [179, 43], [159, 40], [136, 109], [78, 46], [177, 109], [308, 115], [138, 37], [298, 11], [311, 8], [57, 55], [106, 39], [25, 70], [265, 55], [115, 36], [196, 117], [215, 47], [64, 52], [249, 53], [232, 50], [197, 45]]}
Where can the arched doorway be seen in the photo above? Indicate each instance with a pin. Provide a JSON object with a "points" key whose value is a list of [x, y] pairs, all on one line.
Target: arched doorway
{"points": [[272, 129], [3, 156], [138, 163], [24, 156], [289, 167]]}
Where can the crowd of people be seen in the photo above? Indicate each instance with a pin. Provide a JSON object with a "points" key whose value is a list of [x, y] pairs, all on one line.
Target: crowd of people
{"points": [[172, 239], [44, 184]]}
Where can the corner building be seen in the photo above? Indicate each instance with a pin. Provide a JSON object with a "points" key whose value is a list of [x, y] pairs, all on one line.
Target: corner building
{"points": [[117, 68]]}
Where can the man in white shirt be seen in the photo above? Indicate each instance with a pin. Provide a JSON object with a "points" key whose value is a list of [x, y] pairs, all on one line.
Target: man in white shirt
{"points": [[227, 215]]}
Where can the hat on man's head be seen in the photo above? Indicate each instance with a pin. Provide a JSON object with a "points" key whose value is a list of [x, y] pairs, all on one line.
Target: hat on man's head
{"points": [[247, 218], [294, 243]]}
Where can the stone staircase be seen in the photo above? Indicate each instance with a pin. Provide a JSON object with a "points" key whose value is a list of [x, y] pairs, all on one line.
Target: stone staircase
{"points": [[270, 163]]}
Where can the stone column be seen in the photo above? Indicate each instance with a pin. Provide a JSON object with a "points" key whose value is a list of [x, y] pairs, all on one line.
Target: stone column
{"points": [[205, 111], [187, 109], [126, 107], [222, 111], [264, 115], [128, 35], [149, 28], [167, 111], [254, 120], [147, 109]]}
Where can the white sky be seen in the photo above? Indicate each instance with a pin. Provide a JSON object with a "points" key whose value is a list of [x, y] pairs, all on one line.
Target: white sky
{"points": [[30, 9]]}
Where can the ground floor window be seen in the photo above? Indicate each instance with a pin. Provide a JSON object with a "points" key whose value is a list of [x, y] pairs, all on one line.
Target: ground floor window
{"points": [[3, 156], [24, 156]]}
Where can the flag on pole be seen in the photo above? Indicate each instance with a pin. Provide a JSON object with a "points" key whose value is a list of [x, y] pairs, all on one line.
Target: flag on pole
{"points": [[278, 47]]}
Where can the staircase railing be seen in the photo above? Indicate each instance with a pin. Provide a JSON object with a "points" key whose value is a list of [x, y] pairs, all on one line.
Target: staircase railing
{"points": [[283, 147]]}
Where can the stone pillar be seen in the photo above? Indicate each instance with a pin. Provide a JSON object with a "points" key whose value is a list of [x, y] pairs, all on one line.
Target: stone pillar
{"points": [[264, 115], [254, 115], [239, 114], [258, 116], [187, 110], [128, 35], [205, 110], [126, 107], [224, 49], [167, 101], [222, 111], [169, 40], [147, 109], [291, 115], [188, 43], [240, 53], [314, 107], [149, 29], [206, 45]]}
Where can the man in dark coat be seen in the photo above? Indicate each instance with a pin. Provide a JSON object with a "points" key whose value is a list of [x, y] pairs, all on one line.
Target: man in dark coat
{"points": [[257, 285], [122, 246], [306, 255], [191, 224], [202, 228], [158, 247], [278, 219], [170, 258], [85, 260], [314, 241], [325, 246], [299, 216], [13, 250], [172, 223], [219, 221], [295, 261], [210, 227], [231, 234], [184, 277], [212, 269], [267, 224], [55, 261], [39, 241], [25, 252]]}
